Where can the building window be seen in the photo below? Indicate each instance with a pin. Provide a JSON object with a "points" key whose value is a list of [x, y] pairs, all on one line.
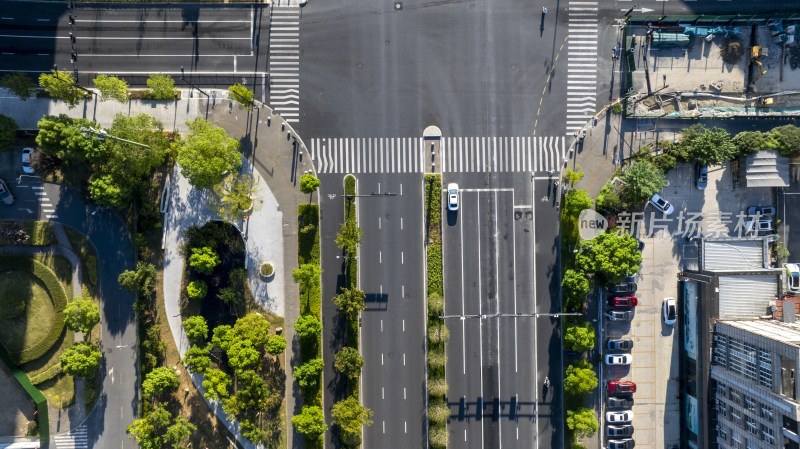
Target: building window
{"points": [[749, 403], [750, 425], [767, 434], [749, 361], [722, 433], [766, 412], [736, 441], [736, 397], [722, 409], [735, 416], [764, 368], [749, 444]]}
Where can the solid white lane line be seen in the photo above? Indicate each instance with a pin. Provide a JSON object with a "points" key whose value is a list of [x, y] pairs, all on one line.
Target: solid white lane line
{"points": [[480, 323], [404, 359], [497, 310], [402, 258], [463, 326], [404, 325], [381, 359], [380, 256], [379, 222]]}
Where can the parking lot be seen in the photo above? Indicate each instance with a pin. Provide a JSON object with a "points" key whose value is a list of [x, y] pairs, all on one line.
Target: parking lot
{"points": [[655, 368]]}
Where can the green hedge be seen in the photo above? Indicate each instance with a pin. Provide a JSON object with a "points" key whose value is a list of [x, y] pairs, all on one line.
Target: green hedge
{"points": [[51, 372], [351, 273], [91, 269], [308, 252], [33, 392], [57, 294]]}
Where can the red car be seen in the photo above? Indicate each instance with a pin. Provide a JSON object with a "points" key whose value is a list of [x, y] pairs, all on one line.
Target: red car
{"points": [[622, 301], [621, 387]]}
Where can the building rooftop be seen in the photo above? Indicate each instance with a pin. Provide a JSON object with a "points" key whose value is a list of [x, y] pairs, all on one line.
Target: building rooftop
{"points": [[767, 169], [733, 254], [788, 333]]}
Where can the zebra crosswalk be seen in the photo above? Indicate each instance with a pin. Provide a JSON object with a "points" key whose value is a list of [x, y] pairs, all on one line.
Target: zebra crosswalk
{"points": [[581, 64], [284, 62], [74, 439], [457, 154]]}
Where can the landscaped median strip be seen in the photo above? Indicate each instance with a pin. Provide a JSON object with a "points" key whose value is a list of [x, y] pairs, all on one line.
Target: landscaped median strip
{"points": [[438, 411]]}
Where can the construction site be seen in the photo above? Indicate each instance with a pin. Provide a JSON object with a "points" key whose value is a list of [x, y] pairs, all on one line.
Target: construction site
{"points": [[730, 69]]}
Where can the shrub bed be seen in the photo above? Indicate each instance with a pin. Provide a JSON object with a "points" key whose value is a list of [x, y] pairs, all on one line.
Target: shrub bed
{"points": [[34, 233], [438, 413], [351, 272], [57, 295]]}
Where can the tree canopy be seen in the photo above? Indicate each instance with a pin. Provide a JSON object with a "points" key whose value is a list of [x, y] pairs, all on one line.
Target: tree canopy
{"points": [[143, 280], [309, 183], [8, 131], [81, 359], [351, 302], [276, 344], [576, 201], [351, 417], [196, 359], [310, 421], [161, 380], [196, 329], [207, 153], [349, 237], [610, 257], [19, 84], [253, 327], [349, 362], [81, 315], [60, 136], [233, 196], [711, 147], [308, 276], [111, 88], [574, 288], [241, 94], [580, 378], [642, 180], [307, 325], [162, 87], [61, 86], [308, 374], [582, 421], [579, 337], [216, 384], [203, 260], [242, 354]]}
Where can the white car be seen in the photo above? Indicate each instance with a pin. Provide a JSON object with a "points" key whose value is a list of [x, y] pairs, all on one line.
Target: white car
{"points": [[793, 277], [452, 196], [661, 204], [26, 160], [619, 359], [669, 311], [624, 416], [5, 194]]}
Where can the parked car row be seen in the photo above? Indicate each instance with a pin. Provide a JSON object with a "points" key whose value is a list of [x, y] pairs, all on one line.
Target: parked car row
{"points": [[619, 417]]}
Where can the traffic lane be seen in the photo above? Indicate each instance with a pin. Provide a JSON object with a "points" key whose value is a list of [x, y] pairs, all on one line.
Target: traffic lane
{"points": [[463, 283], [127, 47], [334, 326], [393, 323], [548, 300], [522, 406]]}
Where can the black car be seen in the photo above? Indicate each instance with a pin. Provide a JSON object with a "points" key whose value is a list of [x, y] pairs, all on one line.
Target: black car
{"points": [[619, 431], [627, 443], [620, 344], [619, 402], [625, 288]]}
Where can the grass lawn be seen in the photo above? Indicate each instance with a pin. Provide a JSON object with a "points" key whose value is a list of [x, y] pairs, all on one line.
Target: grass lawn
{"points": [[33, 323], [59, 391]]}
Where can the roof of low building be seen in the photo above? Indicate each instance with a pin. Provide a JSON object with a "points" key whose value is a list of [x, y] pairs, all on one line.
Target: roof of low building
{"points": [[767, 169]]}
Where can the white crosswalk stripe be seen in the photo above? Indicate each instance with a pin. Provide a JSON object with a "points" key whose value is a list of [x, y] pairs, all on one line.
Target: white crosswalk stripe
{"points": [[284, 62], [581, 63], [74, 439], [457, 154]]}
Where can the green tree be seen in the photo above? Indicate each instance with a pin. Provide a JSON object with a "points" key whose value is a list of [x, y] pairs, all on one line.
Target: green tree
{"points": [[750, 142], [222, 337], [351, 302], [308, 276], [276, 344], [574, 288], [309, 183], [196, 329], [81, 315], [228, 295], [607, 200], [582, 421], [438, 334], [307, 375], [203, 260], [178, 432], [349, 237], [787, 140], [81, 359], [111, 88], [251, 392], [19, 84], [241, 94], [610, 257], [129, 162], [207, 153], [162, 87], [242, 354], [196, 359], [61, 86], [572, 177], [233, 196], [161, 380], [580, 378], [143, 280], [143, 432], [60, 136], [106, 190], [642, 180], [310, 421], [8, 132], [253, 327], [712, 147], [351, 416], [349, 362], [308, 326], [579, 337], [576, 201], [197, 289], [216, 384]]}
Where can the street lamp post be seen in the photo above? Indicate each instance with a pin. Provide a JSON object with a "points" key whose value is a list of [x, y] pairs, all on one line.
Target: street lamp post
{"points": [[103, 134], [74, 82], [183, 78]]}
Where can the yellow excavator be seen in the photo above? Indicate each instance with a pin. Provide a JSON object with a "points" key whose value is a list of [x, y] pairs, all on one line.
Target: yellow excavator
{"points": [[757, 52]]}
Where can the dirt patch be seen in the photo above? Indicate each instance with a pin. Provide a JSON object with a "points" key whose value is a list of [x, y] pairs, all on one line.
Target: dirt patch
{"points": [[17, 407]]}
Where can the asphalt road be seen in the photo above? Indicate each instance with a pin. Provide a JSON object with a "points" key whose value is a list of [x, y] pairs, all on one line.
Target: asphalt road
{"points": [[118, 400], [391, 273], [496, 364], [216, 45]]}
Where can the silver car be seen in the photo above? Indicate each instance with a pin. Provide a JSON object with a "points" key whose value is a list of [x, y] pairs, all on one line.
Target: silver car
{"points": [[661, 204]]}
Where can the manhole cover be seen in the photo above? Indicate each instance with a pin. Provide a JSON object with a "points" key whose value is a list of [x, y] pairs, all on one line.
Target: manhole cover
{"points": [[398, 6]]}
